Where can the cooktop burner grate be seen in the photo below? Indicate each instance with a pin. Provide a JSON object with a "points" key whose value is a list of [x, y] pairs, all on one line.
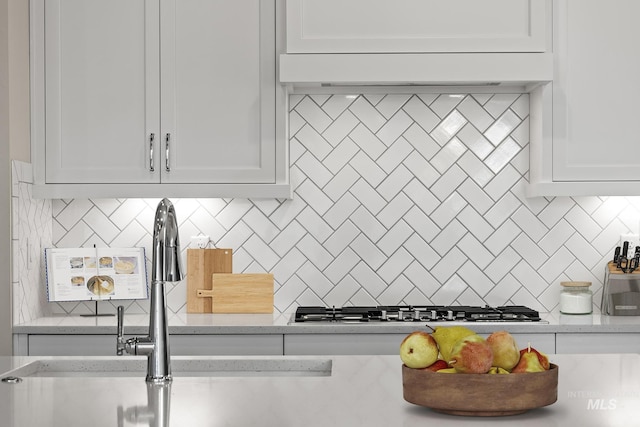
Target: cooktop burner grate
{"points": [[425, 313]]}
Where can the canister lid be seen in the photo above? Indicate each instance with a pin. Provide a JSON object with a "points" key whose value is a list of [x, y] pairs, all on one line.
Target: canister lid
{"points": [[576, 284]]}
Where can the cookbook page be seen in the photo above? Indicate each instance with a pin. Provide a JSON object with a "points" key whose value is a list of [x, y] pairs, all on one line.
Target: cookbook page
{"points": [[85, 274]]}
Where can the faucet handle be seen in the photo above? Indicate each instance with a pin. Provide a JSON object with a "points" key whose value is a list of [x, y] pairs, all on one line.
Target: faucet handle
{"points": [[120, 344]]}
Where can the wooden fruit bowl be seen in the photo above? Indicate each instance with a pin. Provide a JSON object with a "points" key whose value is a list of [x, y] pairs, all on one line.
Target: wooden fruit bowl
{"points": [[485, 395]]}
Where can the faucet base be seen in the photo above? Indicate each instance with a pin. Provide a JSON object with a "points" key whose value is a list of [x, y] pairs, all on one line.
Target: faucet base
{"points": [[164, 379]]}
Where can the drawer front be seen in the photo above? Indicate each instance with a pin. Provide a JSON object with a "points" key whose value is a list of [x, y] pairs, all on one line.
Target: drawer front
{"points": [[181, 345], [382, 344], [342, 344], [592, 343]]}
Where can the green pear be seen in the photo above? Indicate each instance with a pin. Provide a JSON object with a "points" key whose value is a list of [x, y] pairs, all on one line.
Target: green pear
{"points": [[418, 350], [447, 336], [447, 371], [505, 350], [531, 360], [472, 355]]}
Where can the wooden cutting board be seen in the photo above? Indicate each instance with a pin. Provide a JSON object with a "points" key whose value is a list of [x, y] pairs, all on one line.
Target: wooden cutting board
{"points": [[201, 264], [240, 293]]}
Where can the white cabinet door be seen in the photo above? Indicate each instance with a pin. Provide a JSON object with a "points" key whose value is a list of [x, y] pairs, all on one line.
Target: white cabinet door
{"points": [[101, 100], [596, 91], [218, 64], [157, 92], [358, 26]]}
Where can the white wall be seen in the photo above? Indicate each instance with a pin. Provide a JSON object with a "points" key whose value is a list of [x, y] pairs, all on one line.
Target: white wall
{"points": [[472, 239], [5, 184], [398, 199], [14, 137]]}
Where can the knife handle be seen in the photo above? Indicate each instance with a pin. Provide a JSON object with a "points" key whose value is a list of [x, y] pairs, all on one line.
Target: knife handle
{"points": [[635, 262], [624, 264], [616, 255], [625, 249]]}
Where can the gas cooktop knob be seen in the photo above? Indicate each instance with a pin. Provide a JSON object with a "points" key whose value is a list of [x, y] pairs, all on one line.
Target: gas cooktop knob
{"points": [[383, 314], [434, 315], [416, 315], [449, 314]]}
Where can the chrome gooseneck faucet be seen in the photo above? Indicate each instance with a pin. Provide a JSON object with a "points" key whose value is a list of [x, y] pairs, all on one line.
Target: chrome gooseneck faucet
{"points": [[166, 267]]}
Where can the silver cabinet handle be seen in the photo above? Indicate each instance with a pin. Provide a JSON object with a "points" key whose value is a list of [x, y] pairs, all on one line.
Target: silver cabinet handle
{"points": [[166, 152], [151, 139]]}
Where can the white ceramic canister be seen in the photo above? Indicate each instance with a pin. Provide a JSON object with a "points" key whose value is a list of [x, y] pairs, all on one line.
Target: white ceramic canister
{"points": [[576, 298]]}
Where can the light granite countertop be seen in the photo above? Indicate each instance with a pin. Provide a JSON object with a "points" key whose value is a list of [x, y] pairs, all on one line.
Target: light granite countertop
{"points": [[282, 324], [360, 391]]}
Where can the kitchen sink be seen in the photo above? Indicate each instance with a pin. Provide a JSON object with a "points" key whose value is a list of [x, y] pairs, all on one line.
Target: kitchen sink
{"points": [[181, 367]]}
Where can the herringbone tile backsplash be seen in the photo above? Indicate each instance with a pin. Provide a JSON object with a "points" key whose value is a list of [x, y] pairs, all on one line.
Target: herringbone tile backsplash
{"points": [[399, 199]]}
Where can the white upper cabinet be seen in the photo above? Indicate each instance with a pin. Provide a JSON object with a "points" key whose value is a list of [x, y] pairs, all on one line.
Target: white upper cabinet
{"points": [[378, 26], [489, 42], [101, 60], [218, 70], [178, 95], [592, 145]]}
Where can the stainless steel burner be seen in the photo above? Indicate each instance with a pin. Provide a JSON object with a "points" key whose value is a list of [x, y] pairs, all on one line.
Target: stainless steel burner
{"points": [[357, 314]]}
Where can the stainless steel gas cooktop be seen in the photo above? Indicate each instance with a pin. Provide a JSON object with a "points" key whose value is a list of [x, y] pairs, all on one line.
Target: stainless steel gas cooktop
{"points": [[423, 313]]}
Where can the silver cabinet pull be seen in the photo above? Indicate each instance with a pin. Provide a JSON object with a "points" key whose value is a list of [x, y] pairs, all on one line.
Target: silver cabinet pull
{"points": [[151, 139], [166, 153]]}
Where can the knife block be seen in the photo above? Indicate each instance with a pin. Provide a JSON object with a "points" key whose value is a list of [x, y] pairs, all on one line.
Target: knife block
{"points": [[201, 265], [621, 292]]}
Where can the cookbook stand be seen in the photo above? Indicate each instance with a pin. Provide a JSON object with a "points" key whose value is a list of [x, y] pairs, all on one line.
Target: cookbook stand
{"points": [[96, 314], [93, 275]]}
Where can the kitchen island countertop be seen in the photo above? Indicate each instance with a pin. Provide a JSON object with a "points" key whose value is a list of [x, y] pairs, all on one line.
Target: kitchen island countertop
{"points": [[594, 390], [281, 324]]}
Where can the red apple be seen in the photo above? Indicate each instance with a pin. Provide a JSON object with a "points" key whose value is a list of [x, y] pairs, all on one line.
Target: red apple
{"points": [[437, 365]]}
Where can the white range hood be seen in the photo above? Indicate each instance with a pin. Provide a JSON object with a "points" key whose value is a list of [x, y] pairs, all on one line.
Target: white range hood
{"points": [[523, 70], [417, 42]]}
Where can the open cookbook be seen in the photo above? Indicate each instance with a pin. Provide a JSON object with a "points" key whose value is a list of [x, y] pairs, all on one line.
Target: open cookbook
{"points": [[87, 274]]}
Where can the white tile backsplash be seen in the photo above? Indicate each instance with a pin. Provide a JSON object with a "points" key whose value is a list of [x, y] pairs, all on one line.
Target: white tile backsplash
{"points": [[399, 199], [31, 232]]}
